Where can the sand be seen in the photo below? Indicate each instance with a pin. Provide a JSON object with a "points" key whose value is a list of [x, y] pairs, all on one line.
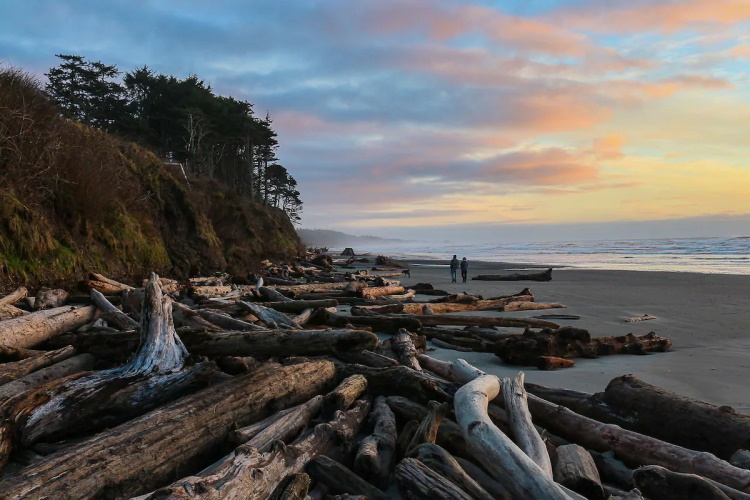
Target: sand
{"points": [[707, 317]]}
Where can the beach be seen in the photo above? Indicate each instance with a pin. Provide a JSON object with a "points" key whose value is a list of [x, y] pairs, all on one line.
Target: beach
{"points": [[707, 317]]}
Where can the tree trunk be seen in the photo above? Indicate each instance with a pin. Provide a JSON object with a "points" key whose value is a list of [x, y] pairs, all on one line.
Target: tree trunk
{"points": [[270, 317], [531, 306], [227, 322], [47, 298], [612, 470], [297, 306], [272, 295], [428, 427], [451, 319], [375, 455], [522, 429], [418, 482], [633, 447], [658, 482], [665, 415], [387, 324], [294, 487], [15, 370], [553, 363], [498, 454], [478, 474], [141, 454], [541, 276], [479, 305], [449, 434], [283, 343], [112, 314], [246, 475], [403, 345], [378, 291], [281, 426], [210, 291], [575, 468], [340, 479], [402, 381], [366, 358], [344, 394], [76, 364], [19, 294], [104, 279], [440, 461], [35, 328], [569, 342]]}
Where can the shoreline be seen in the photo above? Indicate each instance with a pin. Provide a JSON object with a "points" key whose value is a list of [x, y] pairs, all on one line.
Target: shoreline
{"points": [[705, 316]]}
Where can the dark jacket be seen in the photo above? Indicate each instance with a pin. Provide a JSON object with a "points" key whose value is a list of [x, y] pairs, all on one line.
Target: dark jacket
{"points": [[454, 263], [464, 265]]}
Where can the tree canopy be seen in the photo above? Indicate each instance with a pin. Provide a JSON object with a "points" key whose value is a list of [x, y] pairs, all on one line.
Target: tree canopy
{"points": [[184, 121]]}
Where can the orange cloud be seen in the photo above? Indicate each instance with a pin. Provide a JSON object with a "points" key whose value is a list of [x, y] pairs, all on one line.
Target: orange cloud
{"points": [[660, 15], [551, 166], [609, 147]]}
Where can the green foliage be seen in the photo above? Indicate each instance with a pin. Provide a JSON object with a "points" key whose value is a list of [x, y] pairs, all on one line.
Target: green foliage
{"points": [[210, 136]]}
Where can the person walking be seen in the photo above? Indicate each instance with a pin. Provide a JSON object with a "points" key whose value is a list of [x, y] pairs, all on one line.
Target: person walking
{"points": [[454, 268], [464, 268]]}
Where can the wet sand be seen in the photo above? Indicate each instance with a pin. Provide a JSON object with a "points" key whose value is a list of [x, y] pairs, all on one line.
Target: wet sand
{"points": [[707, 317]]}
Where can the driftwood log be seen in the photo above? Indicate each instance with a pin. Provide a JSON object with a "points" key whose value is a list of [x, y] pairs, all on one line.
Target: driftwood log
{"points": [[661, 483], [112, 314], [281, 426], [402, 381], [440, 461], [493, 449], [540, 276], [375, 455], [143, 453], [570, 342], [451, 319], [403, 345], [17, 369], [344, 394], [33, 329], [294, 487], [340, 479], [76, 364], [575, 469], [419, 482]]}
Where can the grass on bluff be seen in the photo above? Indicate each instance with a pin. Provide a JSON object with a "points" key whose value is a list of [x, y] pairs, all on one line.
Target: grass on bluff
{"points": [[75, 199]]}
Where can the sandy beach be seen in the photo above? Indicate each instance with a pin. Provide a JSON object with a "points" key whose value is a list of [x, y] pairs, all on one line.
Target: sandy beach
{"points": [[707, 317]]}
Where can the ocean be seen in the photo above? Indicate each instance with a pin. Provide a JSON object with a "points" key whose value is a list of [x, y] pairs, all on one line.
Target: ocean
{"points": [[729, 255]]}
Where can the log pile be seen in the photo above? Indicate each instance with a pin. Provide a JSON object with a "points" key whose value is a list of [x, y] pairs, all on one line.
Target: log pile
{"points": [[317, 383]]}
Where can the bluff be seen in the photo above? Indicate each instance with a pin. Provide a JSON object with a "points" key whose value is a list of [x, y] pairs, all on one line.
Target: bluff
{"points": [[74, 199]]}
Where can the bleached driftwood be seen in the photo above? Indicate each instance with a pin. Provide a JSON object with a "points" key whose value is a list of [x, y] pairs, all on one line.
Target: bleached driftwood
{"points": [[112, 314], [375, 455], [493, 449], [33, 329]]}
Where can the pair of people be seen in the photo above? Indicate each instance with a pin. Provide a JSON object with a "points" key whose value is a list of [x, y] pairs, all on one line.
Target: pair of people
{"points": [[455, 264]]}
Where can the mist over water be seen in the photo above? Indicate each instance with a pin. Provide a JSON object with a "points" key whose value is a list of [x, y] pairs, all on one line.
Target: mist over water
{"points": [[724, 255]]}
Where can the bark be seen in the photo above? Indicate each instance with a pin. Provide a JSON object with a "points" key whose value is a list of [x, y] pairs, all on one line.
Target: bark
{"points": [[312, 287], [112, 314], [419, 482], [387, 324], [344, 394], [247, 474], [294, 487], [440, 337], [282, 343], [613, 471], [478, 474], [451, 319], [553, 363], [741, 459], [297, 306], [409, 294], [340, 479], [428, 427], [270, 317], [273, 295], [478, 305], [645, 317], [658, 482], [15, 370], [690, 423], [210, 291], [47, 298], [9, 312], [375, 455], [227, 322], [35, 328], [378, 291], [17, 295], [236, 365], [75, 364], [377, 310], [104, 279], [8, 353], [493, 449], [366, 358], [569, 342], [402, 381], [522, 429], [440, 461], [403, 345], [541, 276], [633, 447], [103, 287], [303, 317], [531, 306], [144, 453], [186, 317], [449, 434], [575, 469], [281, 426]]}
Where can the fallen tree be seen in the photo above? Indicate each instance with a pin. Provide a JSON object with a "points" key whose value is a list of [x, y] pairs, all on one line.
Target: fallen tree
{"points": [[33, 329], [540, 276]]}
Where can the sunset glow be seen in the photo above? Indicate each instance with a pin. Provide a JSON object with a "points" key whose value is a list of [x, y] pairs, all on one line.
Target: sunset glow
{"points": [[424, 113]]}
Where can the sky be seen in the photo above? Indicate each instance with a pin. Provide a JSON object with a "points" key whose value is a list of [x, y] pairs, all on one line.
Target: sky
{"points": [[480, 119]]}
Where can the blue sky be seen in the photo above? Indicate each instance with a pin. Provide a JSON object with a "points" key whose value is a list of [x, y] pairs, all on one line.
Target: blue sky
{"points": [[417, 115]]}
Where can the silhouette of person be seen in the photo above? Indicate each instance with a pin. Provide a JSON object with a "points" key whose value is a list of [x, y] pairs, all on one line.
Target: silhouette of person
{"points": [[464, 268], [454, 268]]}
